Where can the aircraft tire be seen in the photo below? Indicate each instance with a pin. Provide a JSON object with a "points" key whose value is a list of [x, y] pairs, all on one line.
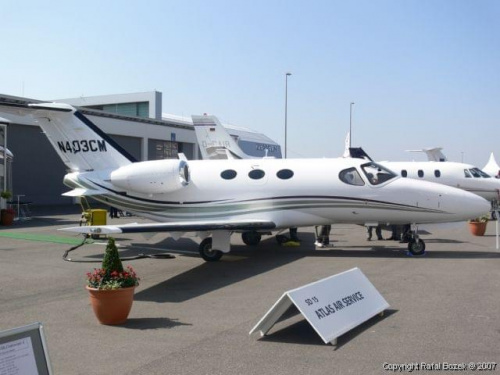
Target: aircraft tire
{"points": [[416, 247], [206, 251], [251, 238], [281, 239]]}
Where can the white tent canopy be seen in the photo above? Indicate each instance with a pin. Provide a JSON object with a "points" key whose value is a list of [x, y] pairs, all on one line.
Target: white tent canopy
{"points": [[492, 167]]}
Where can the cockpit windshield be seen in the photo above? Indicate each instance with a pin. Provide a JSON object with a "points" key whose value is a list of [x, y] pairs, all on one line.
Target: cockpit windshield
{"points": [[476, 173], [376, 174]]}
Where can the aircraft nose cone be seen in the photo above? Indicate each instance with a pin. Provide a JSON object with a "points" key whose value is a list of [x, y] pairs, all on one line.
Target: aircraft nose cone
{"points": [[467, 205]]}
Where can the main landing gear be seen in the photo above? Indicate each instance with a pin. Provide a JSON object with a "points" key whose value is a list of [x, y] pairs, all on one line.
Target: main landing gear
{"points": [[416, 246], [206, 251], [251, 238]]}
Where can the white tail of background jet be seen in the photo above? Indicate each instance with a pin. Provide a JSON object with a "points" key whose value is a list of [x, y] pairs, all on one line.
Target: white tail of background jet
{"points": [[214, 140], [433, 154], [81, 144]]}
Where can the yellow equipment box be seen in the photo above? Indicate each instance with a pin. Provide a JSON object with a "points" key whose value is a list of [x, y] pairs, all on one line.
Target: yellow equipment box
{"points": [[97, 216]]}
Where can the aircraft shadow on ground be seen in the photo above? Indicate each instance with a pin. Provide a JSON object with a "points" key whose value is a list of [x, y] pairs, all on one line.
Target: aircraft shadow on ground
{"points": [[301, 332], [387, 252], [252, 261], [211, 276]]}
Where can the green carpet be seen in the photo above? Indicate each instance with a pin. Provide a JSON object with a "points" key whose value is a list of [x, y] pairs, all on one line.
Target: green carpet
{"points": [[42, 238]]}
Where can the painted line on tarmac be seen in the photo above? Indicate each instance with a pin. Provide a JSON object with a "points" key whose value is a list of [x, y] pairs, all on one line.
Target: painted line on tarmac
{"points": [[41, 238]]}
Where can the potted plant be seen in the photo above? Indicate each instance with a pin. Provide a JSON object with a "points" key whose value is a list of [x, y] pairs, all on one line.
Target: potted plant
{"points": [[112, 287], [7, 216], [5, 195], [477, 226]]}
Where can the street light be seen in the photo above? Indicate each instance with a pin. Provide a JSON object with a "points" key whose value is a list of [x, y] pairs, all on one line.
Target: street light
{"points": [[286, 106], [350, 125]]}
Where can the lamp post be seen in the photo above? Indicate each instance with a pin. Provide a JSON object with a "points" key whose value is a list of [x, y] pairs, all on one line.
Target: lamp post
{"points": [[350, 125], [286, 108]]}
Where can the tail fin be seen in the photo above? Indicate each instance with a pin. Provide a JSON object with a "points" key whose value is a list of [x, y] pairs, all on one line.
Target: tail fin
{"points": [[433, 154], [347, 146], [81, 145], [214, 140]]}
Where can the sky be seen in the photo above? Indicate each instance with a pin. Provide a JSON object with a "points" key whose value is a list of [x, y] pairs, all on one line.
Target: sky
{"points": [[422, 73]]}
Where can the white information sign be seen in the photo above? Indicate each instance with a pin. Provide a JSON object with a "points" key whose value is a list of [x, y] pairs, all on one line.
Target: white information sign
{"points": [[17, 358], [23, 351], [332, 306]]}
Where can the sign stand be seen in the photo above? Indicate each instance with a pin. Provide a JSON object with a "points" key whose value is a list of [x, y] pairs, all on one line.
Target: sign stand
{"points": [[332, 306], [497, 212]]}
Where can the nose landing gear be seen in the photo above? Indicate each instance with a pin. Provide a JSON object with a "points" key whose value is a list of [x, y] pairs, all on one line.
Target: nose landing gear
{"points": [[207, 252], [416, 246]]}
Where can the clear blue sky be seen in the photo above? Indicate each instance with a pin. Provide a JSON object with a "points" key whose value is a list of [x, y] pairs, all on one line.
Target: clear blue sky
{"points": [[422, 72]]}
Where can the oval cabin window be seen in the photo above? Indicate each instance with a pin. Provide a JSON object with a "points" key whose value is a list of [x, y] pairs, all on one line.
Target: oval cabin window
{"points": [[437, 173], [420, 173], [228, 174], [404, 173], [256, 174], [285, 174]]}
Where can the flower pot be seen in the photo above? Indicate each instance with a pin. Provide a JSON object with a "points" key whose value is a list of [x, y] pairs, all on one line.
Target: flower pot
{"points": [[111, 306], [7, 217], [477, 228]]}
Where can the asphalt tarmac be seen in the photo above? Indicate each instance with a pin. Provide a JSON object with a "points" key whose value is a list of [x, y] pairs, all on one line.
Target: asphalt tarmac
{"points": [[194, 317]]}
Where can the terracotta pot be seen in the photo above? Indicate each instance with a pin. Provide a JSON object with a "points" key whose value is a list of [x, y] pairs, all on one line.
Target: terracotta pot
{"points": [[111, 306], [7, 217], [477, 228]]}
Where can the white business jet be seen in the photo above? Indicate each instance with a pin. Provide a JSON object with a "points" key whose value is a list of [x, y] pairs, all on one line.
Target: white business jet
{"points": [[439, 170], [218, 197], [461, 175]]}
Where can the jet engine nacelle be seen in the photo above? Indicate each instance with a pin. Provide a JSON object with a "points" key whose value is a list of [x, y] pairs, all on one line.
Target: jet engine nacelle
{"points": [[152, 177]]}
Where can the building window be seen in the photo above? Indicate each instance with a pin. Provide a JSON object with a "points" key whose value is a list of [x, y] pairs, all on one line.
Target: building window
{"points": [[285, 174], [166, 150], [404, 173], [420, 173], [256, 174], [437, 173], [138, 109], [228, 174]]}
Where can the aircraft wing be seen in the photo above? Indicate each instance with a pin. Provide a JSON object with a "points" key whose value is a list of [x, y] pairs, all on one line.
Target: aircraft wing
{"points": [[192, 226]]}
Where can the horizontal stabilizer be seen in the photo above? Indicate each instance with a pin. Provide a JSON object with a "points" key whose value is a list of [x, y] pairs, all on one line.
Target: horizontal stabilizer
{"points": [[193, 226], [80, 192]]}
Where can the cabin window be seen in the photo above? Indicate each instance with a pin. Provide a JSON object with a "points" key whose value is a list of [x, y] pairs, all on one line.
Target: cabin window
{"points": [[467, 173], [420, 173], [437, 173], [285, 174], [351, 177], [377, 174], [256, 174], [404, 173], [228, 174]]}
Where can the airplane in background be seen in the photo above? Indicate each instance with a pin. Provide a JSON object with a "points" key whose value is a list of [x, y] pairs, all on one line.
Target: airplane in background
{"points": [[214, 140], [460, 175], [215, 198], [439, 170], [433, 153]]}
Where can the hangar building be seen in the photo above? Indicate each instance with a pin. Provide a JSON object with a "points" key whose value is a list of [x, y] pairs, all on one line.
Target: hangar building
{"points": [[135, 121]]}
